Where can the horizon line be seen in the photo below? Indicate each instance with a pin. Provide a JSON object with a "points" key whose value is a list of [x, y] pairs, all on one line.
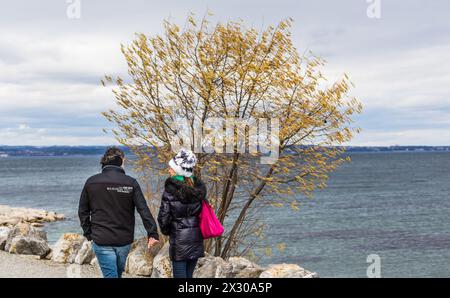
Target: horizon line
{"points": [[120, 145]]}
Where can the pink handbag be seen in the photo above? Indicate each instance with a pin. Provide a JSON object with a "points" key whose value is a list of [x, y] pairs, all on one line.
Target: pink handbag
{"points": [[209, 224]]}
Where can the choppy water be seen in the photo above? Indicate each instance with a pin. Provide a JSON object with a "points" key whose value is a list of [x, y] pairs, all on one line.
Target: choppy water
{"points": [[396, 205]]}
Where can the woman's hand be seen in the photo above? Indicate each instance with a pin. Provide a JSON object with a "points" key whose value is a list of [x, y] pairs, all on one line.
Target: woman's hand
{"points": [[152, 242]]}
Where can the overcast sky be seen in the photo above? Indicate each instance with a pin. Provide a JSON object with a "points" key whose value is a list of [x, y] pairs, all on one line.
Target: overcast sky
{"points": [[51, 65]]}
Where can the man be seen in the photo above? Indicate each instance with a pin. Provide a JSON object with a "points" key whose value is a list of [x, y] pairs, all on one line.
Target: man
{"points": [[106, 212]]}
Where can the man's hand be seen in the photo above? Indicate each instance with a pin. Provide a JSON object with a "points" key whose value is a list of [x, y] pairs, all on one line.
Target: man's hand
{"points": [[152, 242]]}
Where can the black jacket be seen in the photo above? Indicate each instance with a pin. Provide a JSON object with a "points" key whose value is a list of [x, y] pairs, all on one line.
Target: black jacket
{"points": [[178, 218], [107, 205]]}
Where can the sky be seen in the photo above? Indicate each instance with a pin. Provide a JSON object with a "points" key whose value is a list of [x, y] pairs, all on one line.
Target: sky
{"points": [[53, 56]]}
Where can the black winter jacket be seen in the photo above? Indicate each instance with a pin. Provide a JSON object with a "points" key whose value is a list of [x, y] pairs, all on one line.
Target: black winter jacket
{"points": [[178, 218], [107, 205]]}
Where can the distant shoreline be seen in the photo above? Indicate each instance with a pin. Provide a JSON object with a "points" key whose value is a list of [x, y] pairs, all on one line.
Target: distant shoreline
{"points": [[61, 151]]}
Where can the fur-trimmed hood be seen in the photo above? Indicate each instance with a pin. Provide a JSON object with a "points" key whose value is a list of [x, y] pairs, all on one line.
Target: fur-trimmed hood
{"points": [[184, 193]]}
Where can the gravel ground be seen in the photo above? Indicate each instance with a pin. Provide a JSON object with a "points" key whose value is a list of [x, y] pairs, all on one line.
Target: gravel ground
{"points": [[28, 266]]}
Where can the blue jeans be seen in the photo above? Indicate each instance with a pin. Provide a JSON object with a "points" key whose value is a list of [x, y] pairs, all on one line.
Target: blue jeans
{"points": [[183, 269], [111, 259]]}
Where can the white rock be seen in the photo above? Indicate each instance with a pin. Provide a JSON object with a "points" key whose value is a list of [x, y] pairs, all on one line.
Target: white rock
{"points": [[244, 268], [14, 215], [37, 224], [96, 266], [140, 259], [67, 247], [4, 232], [162, 266], [236, 267], [85, 254], [287, 271], [9, 221], [213, 267]]}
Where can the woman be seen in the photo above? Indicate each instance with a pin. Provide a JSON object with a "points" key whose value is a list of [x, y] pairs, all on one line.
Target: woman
{"points": [[178, 216]]}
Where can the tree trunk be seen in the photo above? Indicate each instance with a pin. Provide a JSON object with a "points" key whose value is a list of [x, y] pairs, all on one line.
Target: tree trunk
{"points": [[242, 214]]}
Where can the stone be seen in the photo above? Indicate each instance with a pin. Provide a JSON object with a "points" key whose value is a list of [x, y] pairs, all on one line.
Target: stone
{"points": [[13, 215], [85, 254], [235, 267], [95, 264], [9, 221], [48, 256], [37, 224], [162, 265], [140, 258], [287, 271], [59, 216], [25, 230], [244, 268], [67, 247], [213, 267], [29, 245], [4, 232]]}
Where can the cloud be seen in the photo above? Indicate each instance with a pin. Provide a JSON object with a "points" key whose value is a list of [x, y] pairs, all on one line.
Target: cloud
{"points": [[50, 66], [35, 136], [410, 78], [60, 59], [405, 96], [411, 137], [54, 85]]}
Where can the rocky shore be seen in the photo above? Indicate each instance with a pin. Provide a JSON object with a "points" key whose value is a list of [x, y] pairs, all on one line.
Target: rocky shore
{"points": [[13, 215], [27, 252]]}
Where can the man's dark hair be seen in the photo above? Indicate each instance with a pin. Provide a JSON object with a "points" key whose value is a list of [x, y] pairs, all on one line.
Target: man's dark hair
{"points": [[112, 157]]}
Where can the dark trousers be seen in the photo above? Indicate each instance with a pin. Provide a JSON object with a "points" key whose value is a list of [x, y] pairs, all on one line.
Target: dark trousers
{"points": [[183, 269]]}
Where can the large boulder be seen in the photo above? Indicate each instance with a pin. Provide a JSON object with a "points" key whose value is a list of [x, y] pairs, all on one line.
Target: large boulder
{"points": [[235, 267], [213, 267], [162, 266], [24, 229], [66, 248], [85, 255], [25, 239], [4, 232], [287, 271], [72, 248], [140, 258], [26, 245], [244, 268]]}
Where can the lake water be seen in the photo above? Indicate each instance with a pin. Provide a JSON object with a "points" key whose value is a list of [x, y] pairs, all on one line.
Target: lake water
{"points": [[395, 205]]}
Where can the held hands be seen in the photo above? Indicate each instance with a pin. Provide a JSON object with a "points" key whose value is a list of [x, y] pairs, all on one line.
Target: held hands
{"points": [[152, 242]]}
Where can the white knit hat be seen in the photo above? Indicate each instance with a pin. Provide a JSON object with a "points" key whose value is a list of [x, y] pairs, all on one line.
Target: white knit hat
{"points": [[183, 163]]}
